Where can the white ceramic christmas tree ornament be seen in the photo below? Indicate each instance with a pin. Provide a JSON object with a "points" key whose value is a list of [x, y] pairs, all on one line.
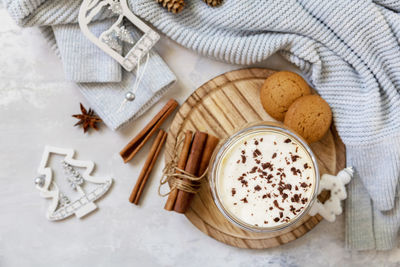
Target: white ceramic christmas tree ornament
{"points": [[336, 185], [111, 40], [61, 206]]}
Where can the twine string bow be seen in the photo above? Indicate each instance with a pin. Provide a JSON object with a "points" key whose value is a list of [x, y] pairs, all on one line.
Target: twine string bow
{"points": [[178, 178]]}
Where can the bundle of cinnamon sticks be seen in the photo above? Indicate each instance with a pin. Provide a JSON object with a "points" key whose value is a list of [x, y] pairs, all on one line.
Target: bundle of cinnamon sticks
{"points": [[194, 159]]}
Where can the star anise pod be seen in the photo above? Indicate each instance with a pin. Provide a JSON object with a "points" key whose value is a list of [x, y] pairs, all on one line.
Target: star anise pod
{"points": [[87, 119]]}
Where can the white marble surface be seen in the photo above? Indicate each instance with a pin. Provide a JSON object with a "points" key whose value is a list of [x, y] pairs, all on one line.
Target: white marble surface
{"points": [[35, 107]]}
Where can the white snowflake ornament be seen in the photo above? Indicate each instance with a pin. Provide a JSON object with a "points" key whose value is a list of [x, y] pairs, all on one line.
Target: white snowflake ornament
{"points": [[336, 185], [62, 206]]}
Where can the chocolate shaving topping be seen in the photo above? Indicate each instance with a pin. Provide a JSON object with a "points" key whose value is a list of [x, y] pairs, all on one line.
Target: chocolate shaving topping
{"points": [[256, 153], [267, 165], [268, 195], [293, 210], [295, 158], [262, 172], [295, 198], [277, 205], [253, 170], [243, 159], [295, 171], [280, 189], [274, 187], [244, 183]]}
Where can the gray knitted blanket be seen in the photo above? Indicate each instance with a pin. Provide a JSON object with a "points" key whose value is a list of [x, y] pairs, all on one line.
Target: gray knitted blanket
{"points": [[348, 49]]}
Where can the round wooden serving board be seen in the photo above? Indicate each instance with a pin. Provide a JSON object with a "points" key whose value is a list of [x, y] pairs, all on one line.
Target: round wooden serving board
{"points": [[220, 107]]}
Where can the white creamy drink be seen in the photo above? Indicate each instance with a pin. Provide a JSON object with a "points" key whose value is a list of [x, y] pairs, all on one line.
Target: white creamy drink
{"points": [[265, 179]]}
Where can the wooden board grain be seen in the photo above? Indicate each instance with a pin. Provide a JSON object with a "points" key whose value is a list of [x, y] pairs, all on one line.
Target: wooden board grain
{"points": [[220, 107]]}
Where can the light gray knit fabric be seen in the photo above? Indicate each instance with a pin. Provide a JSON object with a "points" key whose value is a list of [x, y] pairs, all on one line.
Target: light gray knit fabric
{"points": [[99, 77], [81, 62], [348, 49]]}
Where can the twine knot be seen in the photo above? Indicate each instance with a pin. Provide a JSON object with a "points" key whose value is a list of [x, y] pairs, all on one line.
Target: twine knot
{"points": [[178, 178]]}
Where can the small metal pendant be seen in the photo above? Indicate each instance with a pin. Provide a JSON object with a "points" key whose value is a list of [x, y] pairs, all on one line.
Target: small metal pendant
{"points": [[40, 180], [130, 96]]}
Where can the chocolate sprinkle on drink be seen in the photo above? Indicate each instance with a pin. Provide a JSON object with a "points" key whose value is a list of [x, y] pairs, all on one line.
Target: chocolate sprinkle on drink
{"points": [[273, 176], [233, 191]]}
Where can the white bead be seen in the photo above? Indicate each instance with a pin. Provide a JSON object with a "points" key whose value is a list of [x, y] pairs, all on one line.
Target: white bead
{"points": [[39, 181], [130, 96]]}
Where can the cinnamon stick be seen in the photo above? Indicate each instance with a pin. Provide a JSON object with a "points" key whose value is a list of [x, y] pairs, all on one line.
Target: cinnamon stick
{"points": [[169, 205], [192, 167], [144, 135], [147, 167], [209, 148]]}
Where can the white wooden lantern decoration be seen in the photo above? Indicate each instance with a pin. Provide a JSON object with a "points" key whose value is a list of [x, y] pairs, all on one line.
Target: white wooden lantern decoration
{"points": [[110, 40]]}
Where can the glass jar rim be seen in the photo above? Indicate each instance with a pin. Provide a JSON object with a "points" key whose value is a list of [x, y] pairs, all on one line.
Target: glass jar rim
{"points": [[224, 146]]}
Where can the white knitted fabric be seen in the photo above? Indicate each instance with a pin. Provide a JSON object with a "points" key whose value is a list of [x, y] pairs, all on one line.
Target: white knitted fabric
{"points": [[348, 49]]}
